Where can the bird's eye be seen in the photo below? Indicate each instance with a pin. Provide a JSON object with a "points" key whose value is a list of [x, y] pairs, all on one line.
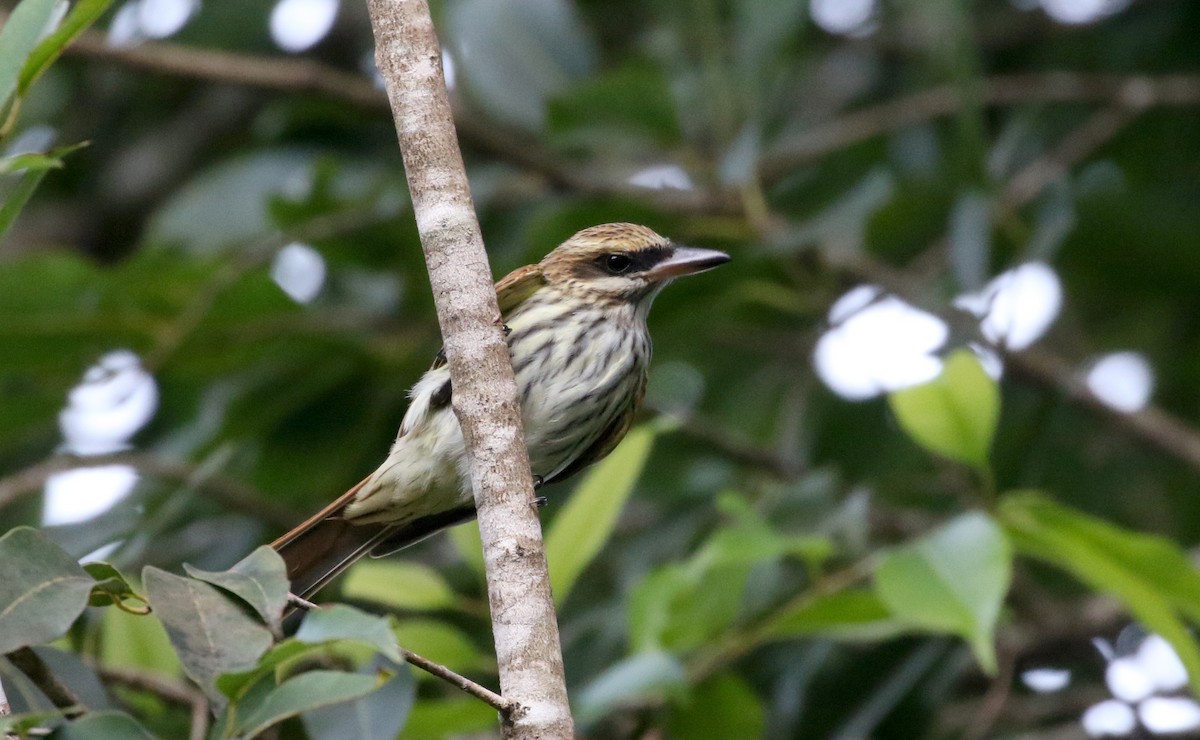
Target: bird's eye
{"points": [[617, 263]]}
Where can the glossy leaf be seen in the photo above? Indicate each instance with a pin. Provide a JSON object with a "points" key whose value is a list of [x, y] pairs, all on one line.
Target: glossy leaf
{"points": [[952, 580], [342, 622], [587, 518], [954, 415], [303, 693], [1152, 576], [109, 725], [42, 592], [381, 713], [210, 633], [259, 579]]}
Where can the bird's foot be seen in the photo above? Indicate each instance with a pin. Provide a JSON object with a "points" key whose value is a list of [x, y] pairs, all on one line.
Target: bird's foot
{"points": [[538, 482], [540, 502]]}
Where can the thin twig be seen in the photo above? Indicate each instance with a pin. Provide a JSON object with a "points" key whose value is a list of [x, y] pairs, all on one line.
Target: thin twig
{"points": [[229, 492], [1131, 92], [504, 706], [171, 691], [36, 670]]}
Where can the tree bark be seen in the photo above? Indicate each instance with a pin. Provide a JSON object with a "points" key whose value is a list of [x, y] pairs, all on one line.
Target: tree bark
{"points": [[524, 623]]}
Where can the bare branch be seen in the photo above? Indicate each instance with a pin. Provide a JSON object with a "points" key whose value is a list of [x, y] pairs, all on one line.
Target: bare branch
{"points": [[171, 691], [1131, 92], [36, 670], [485, 398], [229, 492], [502, 705]]}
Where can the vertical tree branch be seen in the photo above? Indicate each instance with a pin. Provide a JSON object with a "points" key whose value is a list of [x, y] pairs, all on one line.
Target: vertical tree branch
{"points": [[524, 623]]}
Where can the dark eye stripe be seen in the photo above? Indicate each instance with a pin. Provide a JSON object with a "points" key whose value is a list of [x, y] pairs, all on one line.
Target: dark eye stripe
{"points": [[640, 261]]}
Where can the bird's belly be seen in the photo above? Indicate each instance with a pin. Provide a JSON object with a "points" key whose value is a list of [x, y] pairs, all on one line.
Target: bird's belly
{"points": [[572, 398]]}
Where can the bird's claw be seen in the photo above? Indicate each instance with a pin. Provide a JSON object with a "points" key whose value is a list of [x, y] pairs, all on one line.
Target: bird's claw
{"points": [[540, 502], [538, 482]]}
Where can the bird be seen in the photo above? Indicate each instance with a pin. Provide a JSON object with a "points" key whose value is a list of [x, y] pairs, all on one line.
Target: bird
{"points": [[576, 329]]}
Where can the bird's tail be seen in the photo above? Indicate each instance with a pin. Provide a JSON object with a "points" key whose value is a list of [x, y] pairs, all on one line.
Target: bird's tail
{"points": [[327, 543]]}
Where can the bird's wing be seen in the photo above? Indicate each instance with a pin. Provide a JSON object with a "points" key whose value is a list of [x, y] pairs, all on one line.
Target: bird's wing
{"points": [[516, 286], [511, 291]]}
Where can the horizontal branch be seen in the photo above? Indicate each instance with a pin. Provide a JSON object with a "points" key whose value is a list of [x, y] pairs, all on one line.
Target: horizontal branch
{"points": [[229, 492], [166, 689], [1134, 92]]}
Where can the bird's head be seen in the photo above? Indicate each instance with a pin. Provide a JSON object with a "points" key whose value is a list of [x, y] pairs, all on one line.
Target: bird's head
{"points": [[623, 263]]}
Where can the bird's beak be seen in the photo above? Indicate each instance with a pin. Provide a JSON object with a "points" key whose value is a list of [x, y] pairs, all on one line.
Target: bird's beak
{"points": [[686, 261]]}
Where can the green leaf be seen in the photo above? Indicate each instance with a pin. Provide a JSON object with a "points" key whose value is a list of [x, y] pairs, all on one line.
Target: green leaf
{"points": [[382, 713], [29, 162], [83, 14], [211, 634], [398, 584], [18, 38], [652, 673], [721, 707], [955, 414], [21, 724], [341, 622], [586, 521], [952, 580], [17, 197], [137, 641], [42, 592], [470, 548], [237, 684], [259, 579], [443, 643], [449, 718], [109, 725], [856, 614], [1151, 575], [306, 692], [111, 587]]}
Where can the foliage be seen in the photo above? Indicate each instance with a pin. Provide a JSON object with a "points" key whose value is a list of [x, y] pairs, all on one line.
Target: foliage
{"points": [[761, 556]]}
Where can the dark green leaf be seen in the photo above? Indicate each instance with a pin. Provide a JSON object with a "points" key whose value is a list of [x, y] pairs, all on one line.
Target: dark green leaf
{"points": [[952, 580], [211, 634], [103, 725], [721, 707], [1151, 575], [857, 614], [306, 692], [42, 592], [953, 415], [20, 724], [381, 713], [259, 579], [235, 684]]}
